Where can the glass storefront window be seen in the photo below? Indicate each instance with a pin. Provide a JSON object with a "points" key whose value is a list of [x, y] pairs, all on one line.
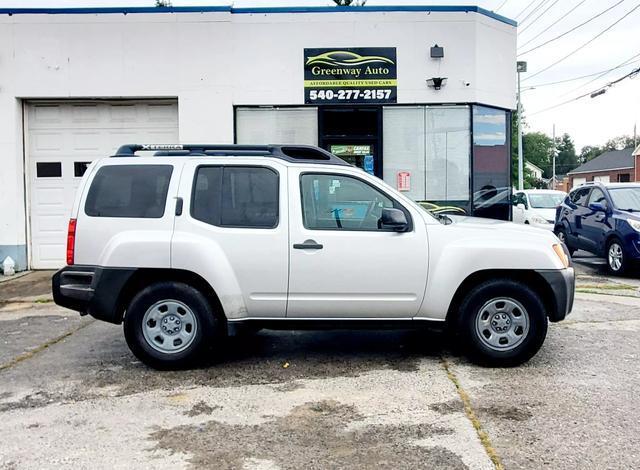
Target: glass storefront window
{"points": [[427, 148], [491, 163], [447, 144]]}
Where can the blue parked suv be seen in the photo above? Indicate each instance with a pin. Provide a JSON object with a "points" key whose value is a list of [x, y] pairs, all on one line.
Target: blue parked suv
{"points": [[603, 219]]}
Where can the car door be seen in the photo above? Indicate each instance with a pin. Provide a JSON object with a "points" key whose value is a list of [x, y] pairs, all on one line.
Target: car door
{"points": [[596, 224], [519, 208], [342, 264], [574, 216], [232, 230]]}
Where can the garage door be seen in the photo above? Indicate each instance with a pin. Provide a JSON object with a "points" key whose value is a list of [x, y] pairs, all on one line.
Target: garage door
{"points": [[62, 139], [579, 182]]}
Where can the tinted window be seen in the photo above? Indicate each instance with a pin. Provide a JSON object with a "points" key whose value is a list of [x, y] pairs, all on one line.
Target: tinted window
{"points": [[341, 203], [48, 169], [236, 196], [129, 191], [597, 196], [580, 196]]}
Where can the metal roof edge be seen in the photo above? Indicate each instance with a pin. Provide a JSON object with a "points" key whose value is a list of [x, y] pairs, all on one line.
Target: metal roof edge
{"points": [[258, 10]]}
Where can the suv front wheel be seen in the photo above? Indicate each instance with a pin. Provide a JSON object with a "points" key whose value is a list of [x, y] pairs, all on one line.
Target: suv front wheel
{"points": [[169, 325], [616, 259], [503, 323]]}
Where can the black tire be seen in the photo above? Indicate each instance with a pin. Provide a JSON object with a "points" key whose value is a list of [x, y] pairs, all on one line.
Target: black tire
{"points": [[206, 326], [612, 266], [525, 347], [562, 236]]}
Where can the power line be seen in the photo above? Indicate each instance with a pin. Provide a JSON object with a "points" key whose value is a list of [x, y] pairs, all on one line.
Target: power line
{"points": [[525, 8], [628, 62], [551, 25], [501, 5], [593, 94], [534, 10], [572, 29], [537, 17], [585, 44]]}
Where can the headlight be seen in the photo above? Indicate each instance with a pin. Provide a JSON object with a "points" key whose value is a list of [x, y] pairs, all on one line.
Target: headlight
{"points": [[564, 259], [634, 224], [536, 219]]}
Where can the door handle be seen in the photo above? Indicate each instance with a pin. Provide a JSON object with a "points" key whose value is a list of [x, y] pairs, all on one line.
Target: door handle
{"points": [[308, 245]]}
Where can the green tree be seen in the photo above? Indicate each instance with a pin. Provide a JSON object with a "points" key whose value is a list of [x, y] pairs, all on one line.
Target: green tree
{"points": [[537, 148], [618, 143], [589, 152], [566, 159]]}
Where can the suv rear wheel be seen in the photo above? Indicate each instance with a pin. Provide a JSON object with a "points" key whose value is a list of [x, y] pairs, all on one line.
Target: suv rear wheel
{"points": [[169, 325], [503, 323]]}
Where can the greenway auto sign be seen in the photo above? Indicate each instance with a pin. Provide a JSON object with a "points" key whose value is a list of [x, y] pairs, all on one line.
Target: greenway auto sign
{"points": [[350, 75]]}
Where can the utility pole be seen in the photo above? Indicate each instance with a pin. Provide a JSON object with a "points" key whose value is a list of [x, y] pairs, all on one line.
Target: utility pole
{"points": [[635, 140], [553, 178], [521, 67]]}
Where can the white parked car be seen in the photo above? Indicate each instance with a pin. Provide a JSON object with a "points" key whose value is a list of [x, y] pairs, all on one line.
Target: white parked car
{"points": [[537, 207], [191, 244]]}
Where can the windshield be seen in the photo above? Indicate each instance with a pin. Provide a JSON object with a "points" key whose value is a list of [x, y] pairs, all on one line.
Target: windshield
{"points": [[546, 200], [626, 199]]}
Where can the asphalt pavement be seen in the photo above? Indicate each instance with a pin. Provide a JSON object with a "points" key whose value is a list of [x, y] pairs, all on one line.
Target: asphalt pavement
{"points": [[73, 396]]}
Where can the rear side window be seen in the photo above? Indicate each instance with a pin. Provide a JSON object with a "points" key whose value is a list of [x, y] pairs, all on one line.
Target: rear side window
{"points": [[580, 196], [138, 191], [235, 196]]}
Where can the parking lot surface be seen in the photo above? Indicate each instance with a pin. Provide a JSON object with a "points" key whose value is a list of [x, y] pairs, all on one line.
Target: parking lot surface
{"points": [[72, 395]]}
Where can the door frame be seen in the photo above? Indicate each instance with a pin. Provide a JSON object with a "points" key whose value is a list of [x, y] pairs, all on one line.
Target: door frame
{"points": [[324, 140]]}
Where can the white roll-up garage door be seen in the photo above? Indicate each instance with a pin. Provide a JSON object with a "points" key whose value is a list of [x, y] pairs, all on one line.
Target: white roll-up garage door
{"points": [[62, 138]]}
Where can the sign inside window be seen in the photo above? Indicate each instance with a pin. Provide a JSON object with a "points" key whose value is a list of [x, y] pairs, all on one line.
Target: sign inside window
{"points": [[350, 75], [404, 181]]}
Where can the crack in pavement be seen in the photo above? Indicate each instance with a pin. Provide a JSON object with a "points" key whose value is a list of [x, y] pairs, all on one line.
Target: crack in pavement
{"points": [[475, 422], [29, 354]]}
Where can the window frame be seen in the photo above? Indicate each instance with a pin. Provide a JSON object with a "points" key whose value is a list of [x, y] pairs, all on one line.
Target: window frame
{"points": [[407, 213], [223, 166]]}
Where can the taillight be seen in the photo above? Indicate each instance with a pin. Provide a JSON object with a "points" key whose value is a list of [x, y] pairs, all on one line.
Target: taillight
{"points": [[71, 241]]}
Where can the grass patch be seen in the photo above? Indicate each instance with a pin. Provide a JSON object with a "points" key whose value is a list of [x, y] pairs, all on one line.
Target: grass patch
{"points": [[606, 286], [466, 401]]}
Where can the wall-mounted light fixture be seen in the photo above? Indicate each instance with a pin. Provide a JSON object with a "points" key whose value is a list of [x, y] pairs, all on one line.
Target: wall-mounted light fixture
{"points": [[437, 82], [437, 52]]}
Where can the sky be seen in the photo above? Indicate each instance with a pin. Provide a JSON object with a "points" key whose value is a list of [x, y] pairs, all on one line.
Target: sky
{"points": [[589, 121]]}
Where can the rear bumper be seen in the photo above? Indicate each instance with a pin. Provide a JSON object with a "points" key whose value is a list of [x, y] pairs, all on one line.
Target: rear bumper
{"points": [[562, 283], [91, 290]]}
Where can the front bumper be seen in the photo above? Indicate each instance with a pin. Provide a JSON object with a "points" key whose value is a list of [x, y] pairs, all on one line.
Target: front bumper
{"points": [[91, 290], [562, 283]]}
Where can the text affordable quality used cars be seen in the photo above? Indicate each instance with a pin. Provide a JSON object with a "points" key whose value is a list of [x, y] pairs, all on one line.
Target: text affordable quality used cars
{"points": [[350, 75]]}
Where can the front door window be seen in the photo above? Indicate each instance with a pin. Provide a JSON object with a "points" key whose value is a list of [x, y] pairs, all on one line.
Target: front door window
{"points": [[338, 202]]}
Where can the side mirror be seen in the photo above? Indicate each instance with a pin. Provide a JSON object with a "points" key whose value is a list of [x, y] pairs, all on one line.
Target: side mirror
{"points": [[597, 207], [395, 219]]}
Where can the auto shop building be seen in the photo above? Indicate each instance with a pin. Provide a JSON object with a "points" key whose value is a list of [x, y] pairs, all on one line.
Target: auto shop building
{"points": [[420, 96]]}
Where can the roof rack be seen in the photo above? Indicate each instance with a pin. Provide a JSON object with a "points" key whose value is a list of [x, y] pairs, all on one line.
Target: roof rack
{"points": [[290, 153]]}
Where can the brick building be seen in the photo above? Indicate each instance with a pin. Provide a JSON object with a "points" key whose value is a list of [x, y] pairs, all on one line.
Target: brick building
{"points": [[615, 166]]}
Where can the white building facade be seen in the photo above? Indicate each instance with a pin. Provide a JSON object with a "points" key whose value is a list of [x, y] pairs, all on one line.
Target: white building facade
{"points": [[419, 96]]}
